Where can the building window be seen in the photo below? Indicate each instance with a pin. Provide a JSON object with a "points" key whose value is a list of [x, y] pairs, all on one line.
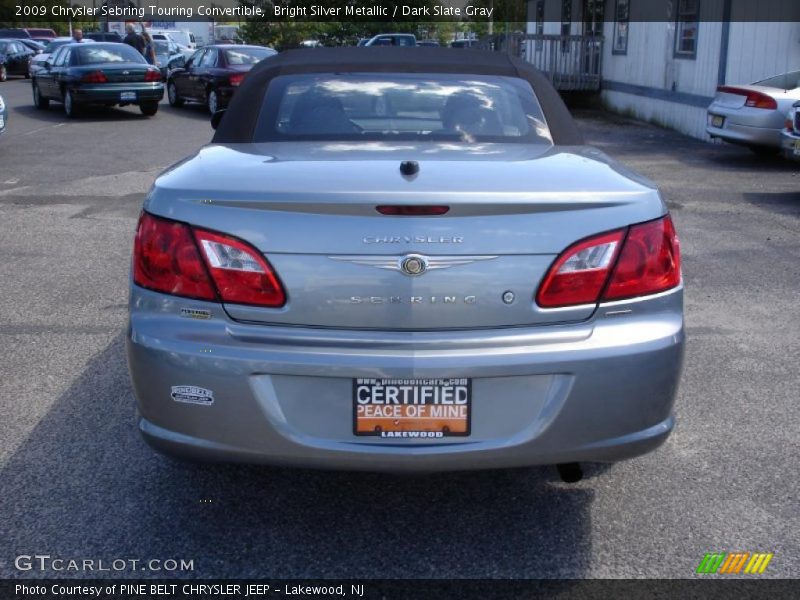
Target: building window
{"points": [[621, 24], [566, 23], [687, 25], [539, 22]]}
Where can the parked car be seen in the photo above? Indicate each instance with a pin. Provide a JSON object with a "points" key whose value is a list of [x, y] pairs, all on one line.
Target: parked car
{"points": [[14, 58], [41, 32], [393, 39], [103, 36], [14, 33], [212, 74], [31, 44], [790, 135], [165, 51], [107, 74], [362, 41], [753, 115], [184, 38], [429, 43], [390, 261], [37, 62], [463, 43], [3, 115]]}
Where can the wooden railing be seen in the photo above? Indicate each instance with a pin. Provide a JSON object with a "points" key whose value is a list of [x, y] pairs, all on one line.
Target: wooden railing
{"points": [[571, 62]]}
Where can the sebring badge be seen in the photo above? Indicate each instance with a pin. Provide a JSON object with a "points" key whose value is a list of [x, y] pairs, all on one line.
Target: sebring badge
{"points": [[412, 265]]}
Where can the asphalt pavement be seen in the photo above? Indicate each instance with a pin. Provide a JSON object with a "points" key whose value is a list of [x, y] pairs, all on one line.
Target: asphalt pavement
{"points": [[76, 480]]}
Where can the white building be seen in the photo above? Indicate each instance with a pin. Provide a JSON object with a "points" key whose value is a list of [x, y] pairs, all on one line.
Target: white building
{"points": [[662, 61]]}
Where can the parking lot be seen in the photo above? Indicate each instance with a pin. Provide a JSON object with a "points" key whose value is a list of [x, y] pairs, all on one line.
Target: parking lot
{"points": [[78, 482]]}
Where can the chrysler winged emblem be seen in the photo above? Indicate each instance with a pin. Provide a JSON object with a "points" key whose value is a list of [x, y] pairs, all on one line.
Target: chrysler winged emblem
{"points": [[412, 265]]}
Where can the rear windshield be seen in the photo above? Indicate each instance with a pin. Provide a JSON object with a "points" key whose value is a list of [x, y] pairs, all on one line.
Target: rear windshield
{"points": [[785, 81], [90, 54], [246, 56], [401, 106]]}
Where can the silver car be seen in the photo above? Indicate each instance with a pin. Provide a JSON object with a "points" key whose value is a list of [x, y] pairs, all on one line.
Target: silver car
{"points": [[3, 115], [416, 267], [753, 115], [790, 135]]}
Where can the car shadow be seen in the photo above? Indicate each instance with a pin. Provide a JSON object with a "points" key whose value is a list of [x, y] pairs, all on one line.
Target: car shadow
{"points": [[787, 203], [84, 484], [93, 114], [188, 111], [611, 132]]}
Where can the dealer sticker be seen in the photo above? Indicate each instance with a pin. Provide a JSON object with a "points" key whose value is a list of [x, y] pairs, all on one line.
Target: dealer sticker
{"points": [[192, 394]]}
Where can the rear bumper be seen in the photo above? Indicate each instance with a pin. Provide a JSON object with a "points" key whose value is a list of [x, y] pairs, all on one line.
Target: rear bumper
{"points": [[596, 391], [225, 93], [790, 146], [744, 135], [747, 126], [111, 93]]}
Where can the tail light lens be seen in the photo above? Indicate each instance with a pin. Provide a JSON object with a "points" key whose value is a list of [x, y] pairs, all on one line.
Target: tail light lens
{"points": [[94, 77], [650, 261], [645, 261], [166, 259], [236, 80], [579, 274], [753, 99], [176, 259], [242, 275], [152, 75]]}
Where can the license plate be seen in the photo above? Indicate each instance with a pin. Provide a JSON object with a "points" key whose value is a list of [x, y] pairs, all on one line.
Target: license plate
{"points": [[717, 121], [412, 408], [2, 122], [796, 144], [127, 96]]}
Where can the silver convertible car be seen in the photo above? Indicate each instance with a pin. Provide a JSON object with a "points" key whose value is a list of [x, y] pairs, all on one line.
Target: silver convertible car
{"points": [[404, 261]]}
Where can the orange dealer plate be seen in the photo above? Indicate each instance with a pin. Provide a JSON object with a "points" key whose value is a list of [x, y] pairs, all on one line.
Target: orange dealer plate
{"points": [[412, 408]]}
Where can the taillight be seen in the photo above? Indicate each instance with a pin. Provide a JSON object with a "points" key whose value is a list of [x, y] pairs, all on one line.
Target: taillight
{"points": [[166, 259], [94, 77], [176, 259], [579, 274], [152, 75], [236, 80], [650, 261], [645, 261], [753, 99], [242, 275]]}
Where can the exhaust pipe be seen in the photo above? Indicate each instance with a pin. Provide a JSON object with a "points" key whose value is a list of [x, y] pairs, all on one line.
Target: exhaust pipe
{"points": [[570, 472]]}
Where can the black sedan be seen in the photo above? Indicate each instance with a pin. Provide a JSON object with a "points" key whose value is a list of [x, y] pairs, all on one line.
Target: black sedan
{"points": [[212, 74], [14, 58], [102, 74]]}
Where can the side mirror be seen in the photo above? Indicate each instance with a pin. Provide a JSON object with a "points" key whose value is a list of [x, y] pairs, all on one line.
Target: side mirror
{"points": [[216, 118], [47, 64]]}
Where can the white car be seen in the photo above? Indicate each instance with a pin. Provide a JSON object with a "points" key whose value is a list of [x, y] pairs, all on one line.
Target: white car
{"points": [[37, 61], [753, 115], [182, 38]]}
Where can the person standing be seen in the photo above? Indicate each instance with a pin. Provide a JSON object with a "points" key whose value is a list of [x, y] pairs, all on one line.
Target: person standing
{"points": [[77, 35], [149, 51], [133, 39]]}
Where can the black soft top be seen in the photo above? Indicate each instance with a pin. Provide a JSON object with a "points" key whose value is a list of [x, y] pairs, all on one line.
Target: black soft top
{"points": [[240, 118]]}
